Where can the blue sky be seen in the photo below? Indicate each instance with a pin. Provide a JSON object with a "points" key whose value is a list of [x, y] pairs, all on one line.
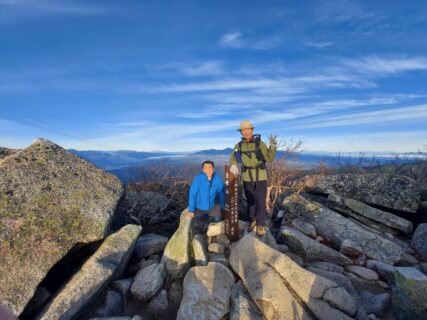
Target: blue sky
{"points": [[181, 75]]}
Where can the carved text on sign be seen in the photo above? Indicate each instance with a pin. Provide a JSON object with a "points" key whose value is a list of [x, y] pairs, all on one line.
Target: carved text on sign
{"points": [[231, 216]]}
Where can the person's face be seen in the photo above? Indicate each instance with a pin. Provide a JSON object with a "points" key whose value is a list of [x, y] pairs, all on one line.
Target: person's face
{"points": [[247, 133], [208, 169]]}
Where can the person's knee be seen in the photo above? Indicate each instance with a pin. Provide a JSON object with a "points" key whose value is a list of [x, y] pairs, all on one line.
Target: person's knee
{"points": [[215, 219]]}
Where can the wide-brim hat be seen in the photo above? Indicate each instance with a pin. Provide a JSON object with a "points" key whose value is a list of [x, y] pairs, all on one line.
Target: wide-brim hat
{"points": [[245, 124]]}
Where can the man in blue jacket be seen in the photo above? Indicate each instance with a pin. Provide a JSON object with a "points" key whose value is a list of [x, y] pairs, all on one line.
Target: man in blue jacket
{"points": [[206, 188]]}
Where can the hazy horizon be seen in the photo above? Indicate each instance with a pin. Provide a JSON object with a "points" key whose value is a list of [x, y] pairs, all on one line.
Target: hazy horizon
{"points": [[422, 150]]}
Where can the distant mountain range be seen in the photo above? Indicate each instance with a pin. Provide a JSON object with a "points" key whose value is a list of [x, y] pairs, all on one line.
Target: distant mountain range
{"points": [[124, 163], [122, 158]]}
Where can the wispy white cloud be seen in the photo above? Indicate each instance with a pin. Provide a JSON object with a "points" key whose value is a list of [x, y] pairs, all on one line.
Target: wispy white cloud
{"points": [[341, 11], [266, 43], [265, 85], [202, 114], [383, 66], [392, 141], [16, 11], [141, 123], [252, 99], [352, 103], [318, 44], [236, 40], [216, 85], [232, 40], [190, 135], [216, 110], [417, 112], [209, 68]]}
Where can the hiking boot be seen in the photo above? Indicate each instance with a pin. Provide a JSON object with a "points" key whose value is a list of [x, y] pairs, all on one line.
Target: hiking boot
{"points": [[252, 226], [260, 230]]}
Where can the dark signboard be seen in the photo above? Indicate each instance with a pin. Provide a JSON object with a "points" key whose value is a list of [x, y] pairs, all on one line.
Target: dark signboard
{"points": [[231, 214]]}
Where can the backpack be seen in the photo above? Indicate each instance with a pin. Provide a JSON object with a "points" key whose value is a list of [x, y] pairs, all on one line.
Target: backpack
{"points": [[258, 153]]}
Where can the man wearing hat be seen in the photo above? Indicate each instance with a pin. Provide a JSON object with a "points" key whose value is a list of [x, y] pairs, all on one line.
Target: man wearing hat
{"points": [[252, 154]]}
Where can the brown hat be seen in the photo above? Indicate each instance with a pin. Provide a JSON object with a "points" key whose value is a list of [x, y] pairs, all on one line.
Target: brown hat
{"points": [[245, 124]]}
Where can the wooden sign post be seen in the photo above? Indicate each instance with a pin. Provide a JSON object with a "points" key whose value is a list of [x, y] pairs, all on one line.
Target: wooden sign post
{"points": [[231, 214]]}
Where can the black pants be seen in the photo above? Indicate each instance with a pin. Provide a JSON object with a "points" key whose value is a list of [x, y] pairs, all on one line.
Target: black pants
{"points": [[256, 194], [203, 218]]}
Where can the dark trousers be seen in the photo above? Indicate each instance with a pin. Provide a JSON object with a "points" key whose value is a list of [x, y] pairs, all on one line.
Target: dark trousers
{"points": [[256, 196], [203, 218]]}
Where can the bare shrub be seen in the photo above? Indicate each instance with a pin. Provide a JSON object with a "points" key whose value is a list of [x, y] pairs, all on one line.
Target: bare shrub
{"points": [[282, 170], [160, 193], [348, 163]]}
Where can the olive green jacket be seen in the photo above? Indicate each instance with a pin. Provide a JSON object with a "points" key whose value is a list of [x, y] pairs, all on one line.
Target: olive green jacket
{"points": [[252, 161]]}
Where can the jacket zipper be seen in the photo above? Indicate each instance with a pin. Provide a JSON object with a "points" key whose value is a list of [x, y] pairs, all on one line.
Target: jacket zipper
{"points": [[209, 203]]}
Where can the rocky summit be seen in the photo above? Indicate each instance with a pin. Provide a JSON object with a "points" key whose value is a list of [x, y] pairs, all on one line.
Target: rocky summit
{"points": [[389, 190], [340, 250], [50, 200]]}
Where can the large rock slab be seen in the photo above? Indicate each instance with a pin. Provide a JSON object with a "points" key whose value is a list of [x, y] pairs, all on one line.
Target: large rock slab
{"points": [[336, 277], [113, 304], [122, 286], [362, 272], [148, 281], [105, 265], [327, 266], [159, 303], [375, 303], [50, 200], [272, 279], [310, 249], [206, 292], [381, 216], [409, 294], [419, 240], [335, 228], [199, 253], [149, 244], [215, 229], [350, 248], [360, 220], [242, 306], [305, 227], [176, 255], [267, 238], [388, 190], [385, 270]]}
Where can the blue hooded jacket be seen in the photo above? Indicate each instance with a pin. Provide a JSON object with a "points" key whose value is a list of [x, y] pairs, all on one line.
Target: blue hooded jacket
{"points": [[203, 192]]}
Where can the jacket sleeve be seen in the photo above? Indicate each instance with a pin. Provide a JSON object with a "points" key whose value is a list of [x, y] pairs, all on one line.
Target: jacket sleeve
{"points": [[221, 194], [269, 153], [194, 189], [233, 159]]}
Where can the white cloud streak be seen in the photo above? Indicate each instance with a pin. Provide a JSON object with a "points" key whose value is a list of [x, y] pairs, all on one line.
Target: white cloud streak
{"points": [[14, 12], [391, 141], [236, 40], [232, 40], [417, 112], [209, 68], [384, 66], [318, 44]]}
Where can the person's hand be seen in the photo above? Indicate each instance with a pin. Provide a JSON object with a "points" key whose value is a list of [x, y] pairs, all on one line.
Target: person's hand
{"points": [[189, 215], [273, 141], [234, 169]]}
